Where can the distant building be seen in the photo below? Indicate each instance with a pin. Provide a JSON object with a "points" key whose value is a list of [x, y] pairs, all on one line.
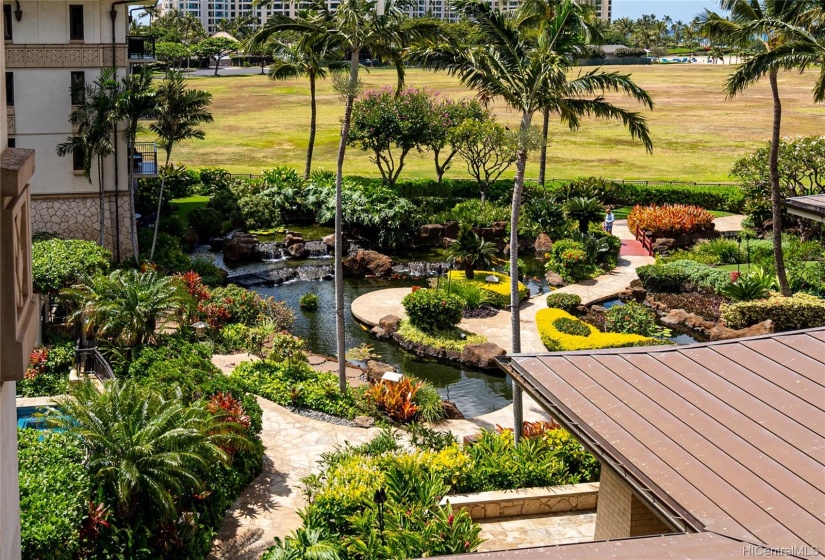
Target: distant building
{"points": [[211, 12], [49, 46], [604, 8]]}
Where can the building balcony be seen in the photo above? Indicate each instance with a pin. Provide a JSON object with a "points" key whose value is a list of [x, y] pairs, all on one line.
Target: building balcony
{"points": [[144, 159], [141, 48]]}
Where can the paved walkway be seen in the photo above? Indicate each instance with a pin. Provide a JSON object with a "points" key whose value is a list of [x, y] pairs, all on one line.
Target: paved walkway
{"points": [[537, 530]]}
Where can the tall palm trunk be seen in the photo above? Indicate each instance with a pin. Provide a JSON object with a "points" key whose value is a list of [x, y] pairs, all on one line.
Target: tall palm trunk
{"points": [[776, 193], [160, 203], [102, 209], [130, 148], [545, 129], [340, 335], [515, 302], [312, 124]]}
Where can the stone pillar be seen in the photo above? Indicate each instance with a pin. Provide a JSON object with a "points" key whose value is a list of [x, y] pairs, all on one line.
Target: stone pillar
{"points": [[9, 493], [620, 514]]}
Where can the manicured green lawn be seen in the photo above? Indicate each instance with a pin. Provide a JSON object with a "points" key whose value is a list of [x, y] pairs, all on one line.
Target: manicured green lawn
{"points": [[189, 203], [622, 211], [697, 133]]}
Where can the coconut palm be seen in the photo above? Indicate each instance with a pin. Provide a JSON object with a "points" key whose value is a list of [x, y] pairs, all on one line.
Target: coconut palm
{"points": [[529, 74], [764, 22], [146, 451], [310, 56], [179, 114], [136, 101], [584, 211], [94, 118], [357, 26], [128, 306], [470, 251]]}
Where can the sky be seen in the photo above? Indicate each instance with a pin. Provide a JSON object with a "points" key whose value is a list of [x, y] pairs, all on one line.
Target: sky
{"points": [[684, 10]]}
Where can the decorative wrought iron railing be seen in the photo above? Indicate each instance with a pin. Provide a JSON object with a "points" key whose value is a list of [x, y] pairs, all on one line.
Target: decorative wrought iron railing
{"points": [[89, 361], [141, 48], [144, 158]]}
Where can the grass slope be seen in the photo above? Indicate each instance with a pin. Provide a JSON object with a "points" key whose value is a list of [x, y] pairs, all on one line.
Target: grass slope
{"points": [[697, 133]]}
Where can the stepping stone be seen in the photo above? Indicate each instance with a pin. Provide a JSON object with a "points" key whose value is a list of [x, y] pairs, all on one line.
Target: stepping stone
{"points": [[315, 360]]}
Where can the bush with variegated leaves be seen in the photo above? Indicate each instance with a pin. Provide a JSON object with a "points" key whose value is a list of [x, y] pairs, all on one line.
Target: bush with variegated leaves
{"points": [[669, 220]]}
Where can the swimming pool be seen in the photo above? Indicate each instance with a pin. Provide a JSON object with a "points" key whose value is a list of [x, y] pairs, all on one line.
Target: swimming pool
{"points": [[33, 417]]}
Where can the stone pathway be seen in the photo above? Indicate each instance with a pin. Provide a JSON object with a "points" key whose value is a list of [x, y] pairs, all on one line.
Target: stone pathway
{"points": [[539, 530]]}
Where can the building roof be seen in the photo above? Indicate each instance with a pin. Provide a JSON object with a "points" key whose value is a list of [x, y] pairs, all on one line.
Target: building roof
{"points": [[611, 49], [811, 206], [693, 546], [725, 437], [224, 35]]}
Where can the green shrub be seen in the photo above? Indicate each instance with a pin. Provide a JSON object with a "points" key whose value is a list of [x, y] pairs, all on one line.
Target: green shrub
{"points": [[497, 294], [432, 310], [210, 274], [234, 304], [55, 491], [59, 263], [808, 277], [703, 276], [718, 251], [450, 339], [569, 259], [571, 326], [475, 213], [309, 301], [239, 337], [631, 318], [729, 198], [471, 292], [802, 311], [661, 278], [169, 255], [48, 371], [754, 284], [565, 301], [207, 223]]}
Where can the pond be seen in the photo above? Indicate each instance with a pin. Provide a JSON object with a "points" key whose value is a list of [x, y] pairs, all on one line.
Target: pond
{"points": [[474, 392]]}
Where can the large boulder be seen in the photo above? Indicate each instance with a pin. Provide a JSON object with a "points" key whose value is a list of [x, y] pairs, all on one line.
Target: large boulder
{"points": [[329, 241], [389, 323], [430, 234], [451, 411], [675, 317], [498, 228], [663, 245], [293, 238], [241, 247], [482, 356], [297, 250], [554, 279], [721, 332], [450, 229], [367, 262], [543, 243], [376, 369]]}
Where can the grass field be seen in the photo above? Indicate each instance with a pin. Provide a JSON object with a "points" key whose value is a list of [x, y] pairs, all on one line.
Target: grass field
{"points": [[185, 205], [697, 133]]}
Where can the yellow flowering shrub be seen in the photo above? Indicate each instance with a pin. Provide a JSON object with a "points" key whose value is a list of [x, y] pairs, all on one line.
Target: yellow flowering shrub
{"points": [[555, 340], [499, 293]]}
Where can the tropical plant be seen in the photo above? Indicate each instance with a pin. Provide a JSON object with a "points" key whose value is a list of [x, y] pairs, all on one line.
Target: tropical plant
{"points": [[547, 216], [136, 101], [447, 115], [487, 148], [311, 56], [144, 450], [584, 211], [433, 310], [308, 301], [94, 119], [471, 292], [632, 318], [216, 48], [357, 26], [765, 23], [669, 220], [470, 251], [179, 115], [754, 284], [59, 263], [306, 544], [128, 305]]}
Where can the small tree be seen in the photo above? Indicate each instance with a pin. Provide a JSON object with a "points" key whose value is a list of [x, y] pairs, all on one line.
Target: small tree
{"points": [[216, 48], [448, 114], [584, 210], [390, 126], [488, 148], [470, 251], [171, 54]]}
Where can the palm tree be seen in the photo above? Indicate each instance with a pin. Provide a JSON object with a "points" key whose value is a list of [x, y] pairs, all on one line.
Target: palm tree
{"points": [[306, 544], [470, 251], [310, 56], [146, 451], [766, 23], [94, 118], [357, 26], [584, 210], [136, 101], [179, 114], [128, 305]]}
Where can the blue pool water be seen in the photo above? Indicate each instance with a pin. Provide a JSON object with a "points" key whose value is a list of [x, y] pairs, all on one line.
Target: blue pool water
{"points": [[32, 417]]}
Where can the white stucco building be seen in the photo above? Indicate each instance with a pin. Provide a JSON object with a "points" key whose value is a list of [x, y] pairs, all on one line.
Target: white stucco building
{"points": [[49, 45]]}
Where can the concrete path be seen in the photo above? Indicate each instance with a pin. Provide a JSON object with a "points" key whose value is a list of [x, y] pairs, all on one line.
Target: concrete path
{"points": [[729, 226]]}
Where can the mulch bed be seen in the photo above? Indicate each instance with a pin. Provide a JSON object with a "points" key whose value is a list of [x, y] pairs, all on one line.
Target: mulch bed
{"points": [[481, 312]]}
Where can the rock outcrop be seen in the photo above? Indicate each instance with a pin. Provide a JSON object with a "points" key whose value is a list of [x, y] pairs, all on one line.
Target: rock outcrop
{"points": [[240, 248], [482, 356], [367, 262], [721, 332]]}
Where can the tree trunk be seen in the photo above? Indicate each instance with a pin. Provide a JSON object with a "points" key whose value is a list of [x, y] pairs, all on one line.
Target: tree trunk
{"points": [[217, 64], [515, 301], [469, 273], [131, 174], [102, 209], [545, 126], [312, 125], [160, 202], [776, 192], [339, 226]]}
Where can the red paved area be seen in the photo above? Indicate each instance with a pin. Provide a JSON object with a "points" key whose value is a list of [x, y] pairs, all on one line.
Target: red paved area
{"points": [[632, 248]]}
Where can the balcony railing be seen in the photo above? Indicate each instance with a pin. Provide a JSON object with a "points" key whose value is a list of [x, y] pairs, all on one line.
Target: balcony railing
{"points": [[144, 159], [89, 361], [141, 48]]}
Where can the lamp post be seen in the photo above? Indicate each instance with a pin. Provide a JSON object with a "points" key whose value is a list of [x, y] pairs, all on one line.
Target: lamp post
{"points": [[738, 252], [379, 499]]}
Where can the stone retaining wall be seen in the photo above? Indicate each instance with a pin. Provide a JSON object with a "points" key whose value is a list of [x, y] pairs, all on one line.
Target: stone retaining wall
{"points": [[527, 501], [77, 217]]}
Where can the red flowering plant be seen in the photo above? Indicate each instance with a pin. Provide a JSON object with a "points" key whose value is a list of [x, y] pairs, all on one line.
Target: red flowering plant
{"points": [[37, 363], [194, 285], [734, 275], [228, 411]]}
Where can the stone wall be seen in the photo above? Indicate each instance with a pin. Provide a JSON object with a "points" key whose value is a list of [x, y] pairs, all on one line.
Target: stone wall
{"points": [[78, 217], [620, 513], [527, 501]]}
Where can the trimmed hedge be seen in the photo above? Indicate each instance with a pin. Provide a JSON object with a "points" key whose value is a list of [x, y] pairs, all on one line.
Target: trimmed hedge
{"points": [[564, 301], [802, 311], [556, 340], [729, 198], [433, 310], [701, 275], [661, 278], [499, 294]]}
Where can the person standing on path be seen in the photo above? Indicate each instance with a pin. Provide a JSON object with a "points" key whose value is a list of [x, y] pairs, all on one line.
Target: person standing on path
{"points": [[608, 221]]}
